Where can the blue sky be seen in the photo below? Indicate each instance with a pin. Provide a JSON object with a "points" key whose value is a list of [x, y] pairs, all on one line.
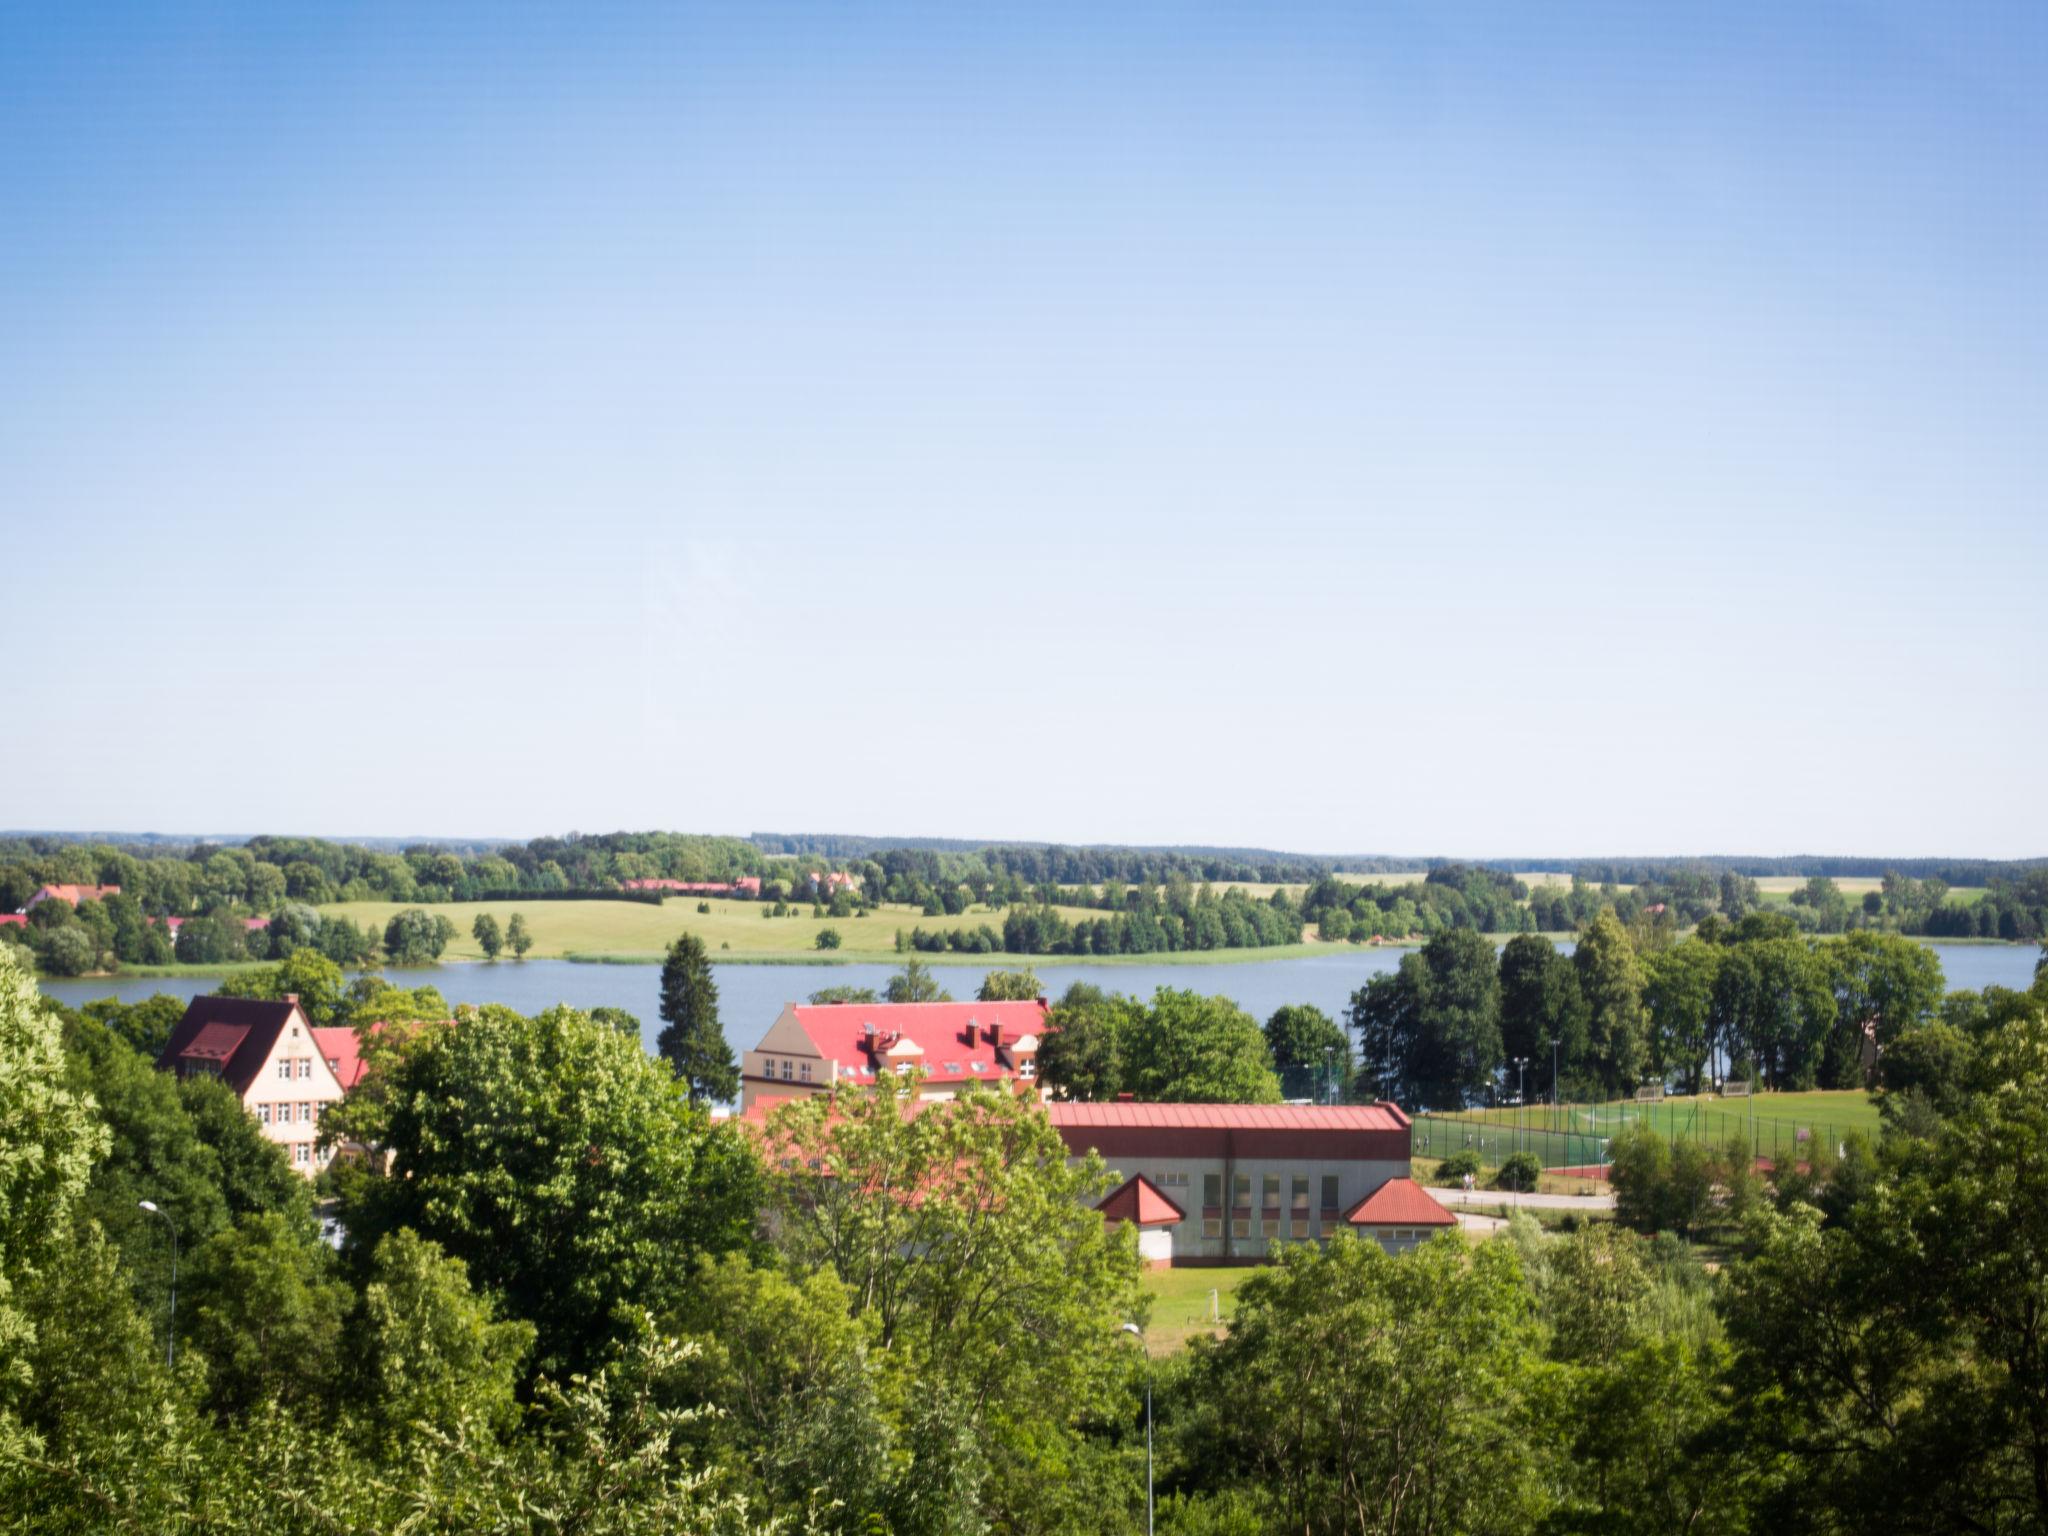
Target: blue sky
{"points": [[1472, 429]]}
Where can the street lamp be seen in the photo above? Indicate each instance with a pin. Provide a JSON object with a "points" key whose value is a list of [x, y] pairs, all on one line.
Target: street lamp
{"points": [[1521, 1078], [170, 1337], [1139, 1334]]}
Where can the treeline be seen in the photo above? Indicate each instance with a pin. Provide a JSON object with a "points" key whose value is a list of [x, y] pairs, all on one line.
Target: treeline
{"points": [[1758, 1000], [1804, 865], [1183, 919]]}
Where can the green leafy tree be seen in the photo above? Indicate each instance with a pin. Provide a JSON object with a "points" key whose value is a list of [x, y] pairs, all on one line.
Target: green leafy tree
{"points": [[1542, 1015], [617, 1018], [146, 1026], [489, 937], [828, 938], [845, 995], [694, 1042], [1678, 992], [69, 951], [915, 984], [416, 937], [1311, 1052], [49, 1141], [1081, 1055], [1369, 1393], [1611, 982], [557, 1160], [265, 1306], [1190, 1049], [306, 974], [1010, 987], [518, 938]]}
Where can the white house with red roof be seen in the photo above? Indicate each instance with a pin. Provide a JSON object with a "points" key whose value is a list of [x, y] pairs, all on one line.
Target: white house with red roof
{"points": [[1227, 1183], [812, 1046], [73, 894], [285, 1071]]}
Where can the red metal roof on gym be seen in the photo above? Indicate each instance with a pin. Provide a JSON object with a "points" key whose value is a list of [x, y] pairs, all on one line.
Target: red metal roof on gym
{"points": [[1231, 1117], [1400, 1203]]}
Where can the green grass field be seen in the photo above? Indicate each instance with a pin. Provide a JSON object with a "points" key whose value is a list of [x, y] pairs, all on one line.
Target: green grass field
{"points": [[634, 931], [1777, 889], [1180, 1303], [1572, 1135]]}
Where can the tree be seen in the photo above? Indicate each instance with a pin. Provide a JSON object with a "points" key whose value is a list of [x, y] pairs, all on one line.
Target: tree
{"points": [[828, 938], [1081, 1055], [1430, 1032], [693, 1042], [146, 1026], [1542, 1015], [1190, 1049], [517, 938], [845, 995], [488, 937], [1678, 990], [560, 1162], [416, 937], [431, 1355], [1310, 1051], [617, 1018], [1010, 987], [265, 1306], [969, 1247], [915, 984], [1369, 1393], [1611, 981], [68, 952], [306, 974], [49, 1141]]}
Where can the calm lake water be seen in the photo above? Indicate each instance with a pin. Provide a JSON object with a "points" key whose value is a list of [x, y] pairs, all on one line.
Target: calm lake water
{"points": [[750, 996]]}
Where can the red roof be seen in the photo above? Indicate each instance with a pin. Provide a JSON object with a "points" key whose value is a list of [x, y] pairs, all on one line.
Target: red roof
{"points": [[344, 1053], [751, 884], [14, 917], [231, 1034], [1400, 1203], [1138, 1201], [953, 1042], [73, 893], [1238, 1117]]}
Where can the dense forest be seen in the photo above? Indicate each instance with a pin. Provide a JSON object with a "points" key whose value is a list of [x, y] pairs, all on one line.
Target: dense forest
{"points": [[867, 1321]]}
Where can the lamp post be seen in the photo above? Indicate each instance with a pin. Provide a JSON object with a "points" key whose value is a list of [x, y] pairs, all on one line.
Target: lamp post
{"points": [[1137, 1333], [1521, 1083], [171, 1336]]}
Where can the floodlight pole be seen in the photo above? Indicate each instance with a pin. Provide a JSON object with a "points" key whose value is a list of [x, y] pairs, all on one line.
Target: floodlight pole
{"points": [[1135, 1332], [171, 1336]]}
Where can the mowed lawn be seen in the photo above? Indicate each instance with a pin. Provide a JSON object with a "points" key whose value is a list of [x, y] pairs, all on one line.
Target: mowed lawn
{"points": [[1180, 1303], [614, 930], [1708, 1117]]}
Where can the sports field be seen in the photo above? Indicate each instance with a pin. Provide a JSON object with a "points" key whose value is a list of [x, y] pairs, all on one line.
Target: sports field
{"points": [[1180, 1303], [1575, 1135], [733, 930]]}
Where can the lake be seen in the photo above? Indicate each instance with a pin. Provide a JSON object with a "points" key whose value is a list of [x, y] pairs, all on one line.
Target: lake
{"points": [[750, 996]]}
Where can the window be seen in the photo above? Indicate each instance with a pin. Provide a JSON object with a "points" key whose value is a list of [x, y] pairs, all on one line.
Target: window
{"points": [[788, 1070], [263, 1114], [805, 1071], [284, 1070], [1240, 1229], [1212, 1226], [1241, 1191], [1297, 1215], [1212, 1191], [305, 1066], [1172, 1181], [767, 1066], [1269, 1193], [1027, 1070], [1329, 1194], [306, 1113], [301, 1153]]}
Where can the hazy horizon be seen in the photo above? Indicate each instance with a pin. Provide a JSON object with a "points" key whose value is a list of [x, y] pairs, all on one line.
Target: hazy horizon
{"points": [[1357, 427]]}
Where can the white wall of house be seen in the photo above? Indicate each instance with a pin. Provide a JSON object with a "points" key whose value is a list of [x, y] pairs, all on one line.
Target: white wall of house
{"points": [[294, 1085], [1231, 1235]]}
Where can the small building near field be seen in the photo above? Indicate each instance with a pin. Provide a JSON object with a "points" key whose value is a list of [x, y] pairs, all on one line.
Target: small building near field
{"points": [[73, 894], [1229, 1183], [812, 1046], [284, 1070]]}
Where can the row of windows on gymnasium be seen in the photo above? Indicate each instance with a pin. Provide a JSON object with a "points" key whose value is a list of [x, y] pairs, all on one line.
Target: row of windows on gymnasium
{"points": [[1270, 1218]]}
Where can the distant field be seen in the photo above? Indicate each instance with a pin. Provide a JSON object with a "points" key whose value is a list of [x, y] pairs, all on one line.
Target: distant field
{"points": [[632, 929], [736, 930], [1180, 1303], [1777, 889]]}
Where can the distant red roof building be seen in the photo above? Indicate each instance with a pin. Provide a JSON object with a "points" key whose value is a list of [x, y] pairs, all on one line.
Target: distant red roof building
{"points": [[72, 893], [13, 919], [747, 885], [1400, 1203], [680, 887], [811, 1046], [273, 1059]]}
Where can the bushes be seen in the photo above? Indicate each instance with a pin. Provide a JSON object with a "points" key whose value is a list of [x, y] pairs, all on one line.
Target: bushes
{"points": [[828, 938], [1456, 1168], [1519, 1172]]}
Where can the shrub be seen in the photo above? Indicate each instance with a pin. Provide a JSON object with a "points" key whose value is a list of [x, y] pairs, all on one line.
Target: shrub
{"points": [[1452, 1170], [1520, 1172], [703, 906], [828, 938]]}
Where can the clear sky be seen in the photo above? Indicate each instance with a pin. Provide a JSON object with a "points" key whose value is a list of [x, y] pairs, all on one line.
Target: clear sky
{"points": [[1450, 428]]}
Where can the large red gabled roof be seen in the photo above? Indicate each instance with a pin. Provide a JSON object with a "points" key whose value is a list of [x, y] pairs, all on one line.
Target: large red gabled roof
{"points": [[954, 1042], [231, 1034], [344, 1052], [1400, 1203], [1139, 1201]]}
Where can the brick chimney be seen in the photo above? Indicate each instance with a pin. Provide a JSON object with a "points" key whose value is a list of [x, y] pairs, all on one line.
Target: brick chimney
{"points": [[292, 999]]}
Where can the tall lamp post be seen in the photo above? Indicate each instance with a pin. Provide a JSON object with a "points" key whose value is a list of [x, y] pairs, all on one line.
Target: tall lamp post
{"points": [[170, 1337], [1137, 1333], [1521, 1084]]}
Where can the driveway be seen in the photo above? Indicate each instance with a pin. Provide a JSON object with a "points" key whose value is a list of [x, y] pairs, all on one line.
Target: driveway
{"points": [[1494, 1199]]}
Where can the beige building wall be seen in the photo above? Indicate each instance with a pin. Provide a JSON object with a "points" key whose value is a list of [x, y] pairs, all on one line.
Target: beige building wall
{"points": [[294, 1085]]}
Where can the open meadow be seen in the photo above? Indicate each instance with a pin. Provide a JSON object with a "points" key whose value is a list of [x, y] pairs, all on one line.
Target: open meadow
{"points": [[1181, 1301]]}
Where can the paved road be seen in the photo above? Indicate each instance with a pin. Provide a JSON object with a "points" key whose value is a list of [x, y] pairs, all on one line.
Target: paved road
{"points": [[1492, 1199]]}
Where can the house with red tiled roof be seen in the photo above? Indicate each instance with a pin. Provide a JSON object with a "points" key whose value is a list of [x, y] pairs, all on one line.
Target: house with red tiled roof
{"points": [[284, 1070], [812, 1046], [74, 894], [1240, 1180]]}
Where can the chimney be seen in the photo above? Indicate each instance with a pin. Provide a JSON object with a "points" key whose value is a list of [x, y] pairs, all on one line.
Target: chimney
{"points": [[995, 1036], [1126, 1098], [292, 998]]}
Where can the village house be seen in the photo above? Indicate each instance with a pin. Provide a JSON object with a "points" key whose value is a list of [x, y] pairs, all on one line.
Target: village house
{"points": [[284, 1070], [812, 1046], [73, 894], [1227, 1183]]}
